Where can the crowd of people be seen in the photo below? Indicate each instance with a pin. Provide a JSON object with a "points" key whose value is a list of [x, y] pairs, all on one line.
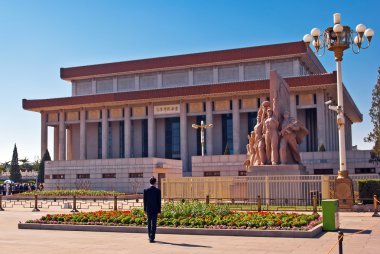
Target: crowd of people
{"points": [[16, 188]]}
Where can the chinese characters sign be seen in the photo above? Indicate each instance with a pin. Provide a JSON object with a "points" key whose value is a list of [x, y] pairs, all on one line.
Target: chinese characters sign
{"points": [[166, 109]]}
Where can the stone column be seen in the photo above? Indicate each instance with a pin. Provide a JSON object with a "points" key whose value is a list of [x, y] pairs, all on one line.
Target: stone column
{"points": [[183, 136], [151, 132], [296, 67], [137, 82], [241, 72], [327, 126], [114, 84], [44, 133], [104, 133], [62, 136], [348, 134], [267, 69], [335, 130], [56, 143], [209, 131], [73, 88], [321, 121], [215, 75], [127, 131], [159, 80], [82, 135], [69, 143], [236, 125], [191, 77], [330, 130], [293, 106], [93, 86]]}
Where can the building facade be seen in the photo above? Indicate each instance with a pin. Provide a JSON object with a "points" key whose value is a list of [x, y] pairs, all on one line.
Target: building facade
{"points": [[145, 108]]}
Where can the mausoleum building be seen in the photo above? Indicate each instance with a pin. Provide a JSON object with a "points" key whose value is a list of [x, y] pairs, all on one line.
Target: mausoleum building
{"points": [[125, 121]]}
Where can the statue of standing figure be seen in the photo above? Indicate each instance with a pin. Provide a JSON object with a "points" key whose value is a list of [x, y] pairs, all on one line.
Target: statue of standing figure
{"points": [[274, 142], [250, 151], [292, 134], [260, 157], [271, 135]]}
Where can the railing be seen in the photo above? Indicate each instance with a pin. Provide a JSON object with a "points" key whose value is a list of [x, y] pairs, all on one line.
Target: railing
{"points": [[74, 203], [128, 202], [355, 180], [25, 175], [290, 187]]}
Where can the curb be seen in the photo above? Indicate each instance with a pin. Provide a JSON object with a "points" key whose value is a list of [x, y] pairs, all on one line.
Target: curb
{"points": [[178, 231]]}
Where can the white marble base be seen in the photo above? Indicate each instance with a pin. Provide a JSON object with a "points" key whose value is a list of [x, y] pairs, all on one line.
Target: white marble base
{"points": [[269, 170]]}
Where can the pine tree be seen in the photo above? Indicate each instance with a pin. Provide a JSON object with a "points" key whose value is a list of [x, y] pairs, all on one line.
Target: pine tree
{"points": [[374, 113], [322, 148], [41, 168], [227, 150], [15, 168]]}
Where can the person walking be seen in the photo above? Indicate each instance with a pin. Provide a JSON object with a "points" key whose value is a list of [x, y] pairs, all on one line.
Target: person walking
{"points": [[152, 207]]}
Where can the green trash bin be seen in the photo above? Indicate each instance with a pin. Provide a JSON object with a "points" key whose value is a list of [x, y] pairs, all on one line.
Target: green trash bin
{"points": [[330, 213]]}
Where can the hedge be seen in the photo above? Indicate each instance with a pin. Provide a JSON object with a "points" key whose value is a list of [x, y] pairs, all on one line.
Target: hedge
{"points": [[367, 188]]}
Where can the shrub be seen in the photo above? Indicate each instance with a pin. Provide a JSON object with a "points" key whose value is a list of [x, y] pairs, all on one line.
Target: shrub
{"points": [[193, 209], [227, 150], [367, 188], [138, 212], [41, 168], [183, 215]]}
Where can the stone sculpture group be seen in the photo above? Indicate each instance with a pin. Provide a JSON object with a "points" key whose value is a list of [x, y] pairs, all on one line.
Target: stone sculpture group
{"points": [[275, 138]]}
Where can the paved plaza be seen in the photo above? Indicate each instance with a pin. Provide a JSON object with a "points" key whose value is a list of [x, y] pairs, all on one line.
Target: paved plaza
{"points": [[26, 241]]}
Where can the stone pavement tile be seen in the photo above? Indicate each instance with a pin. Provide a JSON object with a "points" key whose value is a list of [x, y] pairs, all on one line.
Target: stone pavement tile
{"points": [[359, 251], [51, 242], [372, 250]]}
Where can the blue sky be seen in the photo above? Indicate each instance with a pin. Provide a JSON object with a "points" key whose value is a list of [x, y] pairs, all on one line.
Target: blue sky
{"points": [[39, 37]]}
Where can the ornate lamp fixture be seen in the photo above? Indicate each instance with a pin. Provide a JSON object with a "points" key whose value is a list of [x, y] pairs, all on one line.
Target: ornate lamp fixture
{"points": [[337, 39], [202, 126]]}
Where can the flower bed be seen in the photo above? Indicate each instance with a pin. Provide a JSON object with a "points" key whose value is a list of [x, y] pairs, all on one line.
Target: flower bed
{"points": [[92, 193], [181, 215]]}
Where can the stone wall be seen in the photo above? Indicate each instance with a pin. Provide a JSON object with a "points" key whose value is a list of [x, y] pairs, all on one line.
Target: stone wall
{"points": [[230, 165], [227, 165], [100, 173]]}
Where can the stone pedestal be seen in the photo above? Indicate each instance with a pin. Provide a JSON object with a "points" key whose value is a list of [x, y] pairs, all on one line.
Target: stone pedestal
{"points": [[344, 191], [271, 170]]}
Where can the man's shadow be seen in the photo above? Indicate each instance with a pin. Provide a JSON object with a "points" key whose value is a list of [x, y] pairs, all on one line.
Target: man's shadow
{"points": [[184, 244]]}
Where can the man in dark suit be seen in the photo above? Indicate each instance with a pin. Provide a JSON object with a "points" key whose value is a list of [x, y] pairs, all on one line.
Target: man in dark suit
{"points": [[152, 207]]}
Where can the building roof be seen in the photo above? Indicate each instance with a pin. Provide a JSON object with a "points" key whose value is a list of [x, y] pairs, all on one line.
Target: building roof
{"points": [[220, 88], [311, 82], [204, 58]]}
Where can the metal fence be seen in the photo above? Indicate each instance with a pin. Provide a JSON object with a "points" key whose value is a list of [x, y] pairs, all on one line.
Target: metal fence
{"points": [[355, 180], [241, 193], [273, 189]]}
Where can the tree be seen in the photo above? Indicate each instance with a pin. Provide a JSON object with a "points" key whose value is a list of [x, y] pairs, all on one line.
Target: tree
{"points": [[15, 175], [5, 166], [322, 148], [36, 165], [41, 169], [227, 150], [374, 113], [25, 166]]}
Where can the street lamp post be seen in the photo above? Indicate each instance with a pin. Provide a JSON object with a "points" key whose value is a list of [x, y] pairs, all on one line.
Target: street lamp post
{"points": [[202, 126], [337, 39]]}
